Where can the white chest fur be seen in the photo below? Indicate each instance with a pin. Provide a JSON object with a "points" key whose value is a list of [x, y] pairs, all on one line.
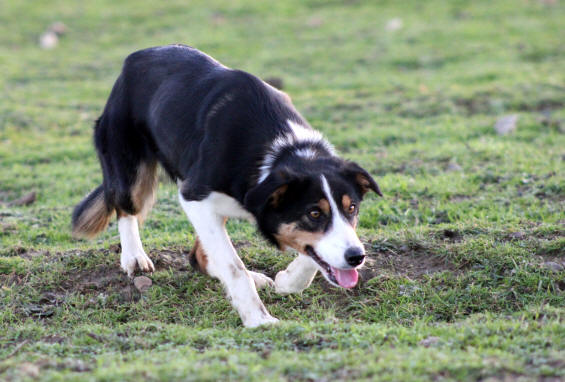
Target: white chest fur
{"points": [[227, 206]]}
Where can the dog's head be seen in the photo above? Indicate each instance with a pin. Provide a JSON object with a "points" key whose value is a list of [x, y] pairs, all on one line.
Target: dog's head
{"points": [[315, 210]]}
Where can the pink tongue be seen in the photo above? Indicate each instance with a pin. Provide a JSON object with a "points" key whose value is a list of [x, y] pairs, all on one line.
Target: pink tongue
{"points": [[346, 278]]}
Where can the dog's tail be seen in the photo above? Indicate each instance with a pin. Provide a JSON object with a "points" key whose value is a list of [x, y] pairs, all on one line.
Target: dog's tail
{"points": [[92, 215]]}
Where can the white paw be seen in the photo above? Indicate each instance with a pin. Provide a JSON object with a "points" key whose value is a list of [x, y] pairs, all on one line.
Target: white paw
{"points": [[260, 320], [284, 285], [129, 261], [261, 281]]}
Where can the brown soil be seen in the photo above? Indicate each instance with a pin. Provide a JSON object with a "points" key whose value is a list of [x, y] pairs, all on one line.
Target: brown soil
{"points": [[109, 278], [410, 262], [105, 279], [405, 262]]}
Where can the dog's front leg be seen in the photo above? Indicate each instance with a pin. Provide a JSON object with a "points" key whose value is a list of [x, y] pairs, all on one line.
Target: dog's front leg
{"points": [[223, 263], [297, 276]]}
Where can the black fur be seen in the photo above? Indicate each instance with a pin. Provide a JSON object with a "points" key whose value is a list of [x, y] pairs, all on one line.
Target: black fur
{"points": [[199, 119], [209, 127]]}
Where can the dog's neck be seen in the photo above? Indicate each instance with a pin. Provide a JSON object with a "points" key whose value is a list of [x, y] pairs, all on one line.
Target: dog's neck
{"points": [[297, 155], [297, 145]]}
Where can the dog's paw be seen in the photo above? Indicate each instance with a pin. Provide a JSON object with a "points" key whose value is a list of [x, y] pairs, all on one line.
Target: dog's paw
{"points": [[263, 319], [261, 281], [129, 261], [284, 285]]}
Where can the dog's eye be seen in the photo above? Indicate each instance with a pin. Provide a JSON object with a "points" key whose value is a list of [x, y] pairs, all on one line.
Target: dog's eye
{"points": [[314, 214], [351, 208]]}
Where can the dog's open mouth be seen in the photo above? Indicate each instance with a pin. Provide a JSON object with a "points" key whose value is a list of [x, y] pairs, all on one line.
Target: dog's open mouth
{"points": [[346, 278]]}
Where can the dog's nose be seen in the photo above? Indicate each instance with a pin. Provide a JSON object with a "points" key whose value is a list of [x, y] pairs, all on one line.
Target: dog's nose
{"points": [[354, 256]]}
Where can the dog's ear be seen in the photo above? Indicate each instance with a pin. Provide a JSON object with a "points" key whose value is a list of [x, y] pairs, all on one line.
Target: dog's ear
{"points": [[361, 178], [271, 192]]}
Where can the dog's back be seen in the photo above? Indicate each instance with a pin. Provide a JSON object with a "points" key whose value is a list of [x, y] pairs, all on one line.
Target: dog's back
{"points": [[166, 102]]}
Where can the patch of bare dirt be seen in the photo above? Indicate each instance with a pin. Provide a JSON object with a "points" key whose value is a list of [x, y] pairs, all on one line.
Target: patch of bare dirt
{"points": [[456, 198], [103, 279], [451, 235], [485, 102], [101, 282], [35, 369], [25, 200], [108, 279], [405, 261], [53, 339], [11, 279], [176, 259]]}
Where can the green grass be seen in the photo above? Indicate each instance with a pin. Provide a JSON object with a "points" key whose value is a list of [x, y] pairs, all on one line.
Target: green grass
{"points": [[458, 286]]}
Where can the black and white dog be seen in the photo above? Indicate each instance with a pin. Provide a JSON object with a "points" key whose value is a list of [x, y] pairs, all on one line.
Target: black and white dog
{"points": [[237, 148]]}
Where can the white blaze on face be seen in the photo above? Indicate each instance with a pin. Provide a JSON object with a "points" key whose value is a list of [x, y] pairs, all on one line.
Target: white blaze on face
{"points": [[341, 235]]}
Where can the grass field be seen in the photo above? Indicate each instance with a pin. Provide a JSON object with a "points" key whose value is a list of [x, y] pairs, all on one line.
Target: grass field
{"points": [[466, 277]]}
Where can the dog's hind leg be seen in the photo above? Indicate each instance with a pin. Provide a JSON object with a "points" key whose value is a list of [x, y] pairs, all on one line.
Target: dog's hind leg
{"points": [[222, 262], [297, 276], [132, 250], [129, 164], [141, 197]]}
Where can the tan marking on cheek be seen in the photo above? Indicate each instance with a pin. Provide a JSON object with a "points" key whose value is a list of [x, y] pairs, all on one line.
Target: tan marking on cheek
{"points": [[289, 235], [346, 202], [324, 206]]}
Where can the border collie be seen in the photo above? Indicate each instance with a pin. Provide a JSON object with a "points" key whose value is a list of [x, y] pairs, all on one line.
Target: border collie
{"points": [[237, 148]]}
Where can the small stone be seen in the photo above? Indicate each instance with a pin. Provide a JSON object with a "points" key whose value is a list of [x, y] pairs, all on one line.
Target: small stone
{"points": [[48, 40], [427, 342], [79, 366], [394, 24], [58, 28], [142, 283], [29, 369], [314, 22], [518, 235], [506, 124], [453, 167], [553, 266]]}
